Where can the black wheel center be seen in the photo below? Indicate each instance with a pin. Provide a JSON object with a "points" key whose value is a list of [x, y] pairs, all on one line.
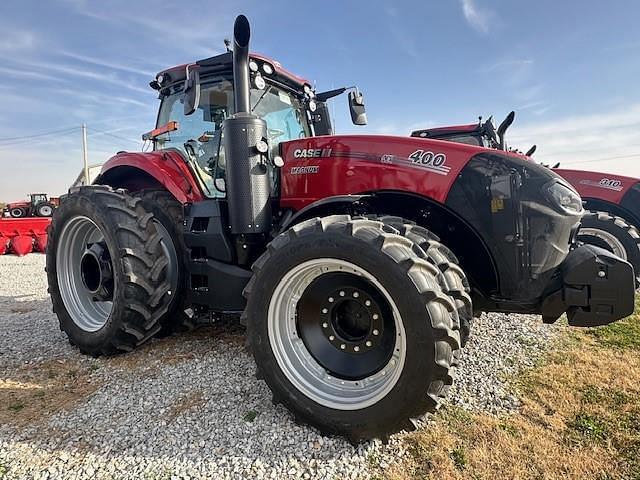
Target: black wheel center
{"points": [[347, 325], [351, 320], [90, 270], [96, 271]]}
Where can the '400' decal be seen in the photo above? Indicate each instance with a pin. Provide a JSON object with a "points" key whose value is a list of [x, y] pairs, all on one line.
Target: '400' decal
{"points": [[436, 162]]}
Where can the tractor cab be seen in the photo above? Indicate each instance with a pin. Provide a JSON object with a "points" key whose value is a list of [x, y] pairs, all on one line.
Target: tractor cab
{"points": [[196, 99], [481, 134], [37, 198]]}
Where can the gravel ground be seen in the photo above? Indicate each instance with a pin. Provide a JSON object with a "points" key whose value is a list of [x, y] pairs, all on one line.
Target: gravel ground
{"points": [[190, 407]]}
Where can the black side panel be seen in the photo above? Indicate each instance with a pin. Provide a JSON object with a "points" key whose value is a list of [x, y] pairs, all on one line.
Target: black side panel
{"points": [[631, 203], [214, 283], [204, 233], [217, 286], [504, 199]]}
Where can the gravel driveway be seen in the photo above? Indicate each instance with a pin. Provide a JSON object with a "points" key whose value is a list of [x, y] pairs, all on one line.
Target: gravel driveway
{"points": [[189, 406]]}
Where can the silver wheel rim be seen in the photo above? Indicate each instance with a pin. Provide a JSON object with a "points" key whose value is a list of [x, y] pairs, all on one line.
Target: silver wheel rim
{"points": [[46, 211], [298, 365], [87, 314], [16, 213], [614, 244]]}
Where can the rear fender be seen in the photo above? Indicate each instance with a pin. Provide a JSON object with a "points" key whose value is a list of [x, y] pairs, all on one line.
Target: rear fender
{"points": [[160, 169]]}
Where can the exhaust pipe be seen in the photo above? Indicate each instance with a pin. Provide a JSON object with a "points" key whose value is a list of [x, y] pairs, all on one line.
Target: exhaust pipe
{"points": [[248, 180], [241, 36]]}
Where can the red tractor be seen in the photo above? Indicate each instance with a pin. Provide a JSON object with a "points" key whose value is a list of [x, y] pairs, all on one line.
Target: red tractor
{"points": [[39, 205], [356, 262], [612, 201]]}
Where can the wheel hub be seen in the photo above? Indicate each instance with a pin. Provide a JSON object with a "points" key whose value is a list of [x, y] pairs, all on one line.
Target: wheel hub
{"points": [[96, 272], [349, 330]]}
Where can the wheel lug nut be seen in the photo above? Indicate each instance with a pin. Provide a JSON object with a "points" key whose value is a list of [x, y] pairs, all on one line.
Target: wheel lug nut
{"points": [[375, 316], [368, 343], [325, 325], [367, 303], [375, 331], [330, 299], [356, 348], [332, 338], [342, 293], [343, 346], [356, 294], [324, 310]]}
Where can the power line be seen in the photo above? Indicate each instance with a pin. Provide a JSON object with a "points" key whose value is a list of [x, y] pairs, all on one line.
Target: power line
{"points": [[102, 132], [603, 159], [36, 135]]}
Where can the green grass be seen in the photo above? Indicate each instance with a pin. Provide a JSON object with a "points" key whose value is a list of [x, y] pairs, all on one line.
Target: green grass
{"points": [[250, 416], [3, 470], [459, 458], [16, 407], [623, 334], [589, 427]]}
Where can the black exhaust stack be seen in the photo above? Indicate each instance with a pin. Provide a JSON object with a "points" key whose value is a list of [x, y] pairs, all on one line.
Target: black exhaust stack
{"points": [[248, 182]]}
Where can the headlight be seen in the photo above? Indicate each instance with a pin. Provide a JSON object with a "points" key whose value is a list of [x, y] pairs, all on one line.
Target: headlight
{"points": [[268, 69], [253, 66], [565, 198], [259, 82]]}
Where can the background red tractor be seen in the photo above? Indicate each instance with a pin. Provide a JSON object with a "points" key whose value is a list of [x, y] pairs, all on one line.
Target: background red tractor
{"points": [[39, 205], [612, 201], [356, 262]]}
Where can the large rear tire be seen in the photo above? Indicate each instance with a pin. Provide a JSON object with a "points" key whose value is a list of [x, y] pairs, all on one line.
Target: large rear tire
{"points": [[613, 234], [170, 214], [107, 270], [350, 328], [45, 209]]}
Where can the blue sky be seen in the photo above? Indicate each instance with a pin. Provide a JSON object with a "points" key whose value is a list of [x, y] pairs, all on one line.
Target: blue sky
{"points": [[569, 69]]}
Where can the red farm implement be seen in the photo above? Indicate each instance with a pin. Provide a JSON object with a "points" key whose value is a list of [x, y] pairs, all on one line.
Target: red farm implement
{"points": [[21, 236]]}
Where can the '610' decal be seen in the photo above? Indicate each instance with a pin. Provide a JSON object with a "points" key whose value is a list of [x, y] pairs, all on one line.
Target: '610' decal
{"points": [[436, 162]]}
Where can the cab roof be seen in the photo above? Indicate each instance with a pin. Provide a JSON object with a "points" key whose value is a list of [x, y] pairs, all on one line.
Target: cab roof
{"points": [[223, 62]]}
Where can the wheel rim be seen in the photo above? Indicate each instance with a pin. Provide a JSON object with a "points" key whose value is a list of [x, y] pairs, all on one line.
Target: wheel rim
{"points": [[46, 211], [603, 239], [86, 312], [292, 341], [16, 212]]}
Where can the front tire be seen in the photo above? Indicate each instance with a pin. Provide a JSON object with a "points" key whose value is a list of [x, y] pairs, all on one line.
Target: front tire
{"points": [[451, 277], [107, 271], [18, 212], [349, 327], [613, 234]]}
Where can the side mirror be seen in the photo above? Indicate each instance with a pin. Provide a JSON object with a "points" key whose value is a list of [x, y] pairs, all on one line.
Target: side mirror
{"points": [[191, 92], [356, 108]]}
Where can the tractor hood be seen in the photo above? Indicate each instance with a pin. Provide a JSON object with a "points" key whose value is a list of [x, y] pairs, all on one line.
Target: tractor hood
{"points": [[353, 162]]}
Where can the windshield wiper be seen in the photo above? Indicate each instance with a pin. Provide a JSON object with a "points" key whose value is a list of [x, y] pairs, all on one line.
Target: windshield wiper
{"points": [[261, 97]]}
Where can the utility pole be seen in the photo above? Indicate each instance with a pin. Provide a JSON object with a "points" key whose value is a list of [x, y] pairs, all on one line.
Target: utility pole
{"points": [[84, 154]]}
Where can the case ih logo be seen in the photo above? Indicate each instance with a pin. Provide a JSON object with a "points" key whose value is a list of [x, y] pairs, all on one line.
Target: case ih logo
{"points": [[311, 152], [607, 183], [435, 162]]}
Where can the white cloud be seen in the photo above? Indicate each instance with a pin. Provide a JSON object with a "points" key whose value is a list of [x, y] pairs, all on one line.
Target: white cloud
{"points": [[12, 41], [478, 19], [106, 64], [606, 141]]}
